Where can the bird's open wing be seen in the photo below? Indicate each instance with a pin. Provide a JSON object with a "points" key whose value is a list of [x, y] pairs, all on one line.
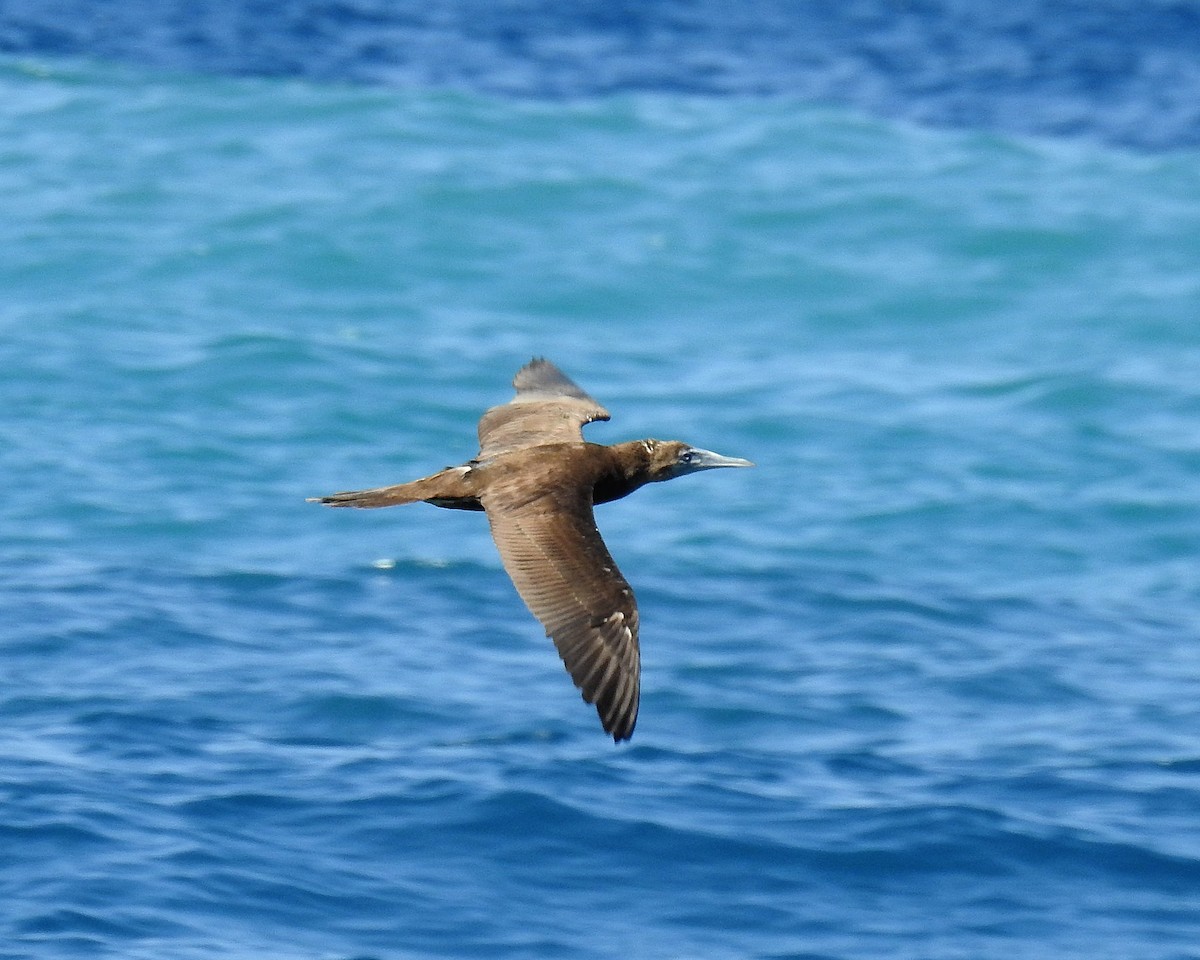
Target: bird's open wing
{"points": [[548, 408], [564, 573]]}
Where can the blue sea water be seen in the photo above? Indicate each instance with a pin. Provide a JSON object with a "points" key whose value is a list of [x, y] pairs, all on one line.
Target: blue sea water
{"points": [[922, 686]]}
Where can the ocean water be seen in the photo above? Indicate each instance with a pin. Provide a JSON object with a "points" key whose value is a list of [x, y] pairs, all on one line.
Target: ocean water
{"points": [[922, 686]]}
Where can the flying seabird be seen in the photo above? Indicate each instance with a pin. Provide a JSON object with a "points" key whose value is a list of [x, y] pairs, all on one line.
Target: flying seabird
{"points": [[538, 479]]}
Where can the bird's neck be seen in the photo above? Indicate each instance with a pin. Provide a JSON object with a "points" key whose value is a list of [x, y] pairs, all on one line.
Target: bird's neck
{"points": [[626, 468]]}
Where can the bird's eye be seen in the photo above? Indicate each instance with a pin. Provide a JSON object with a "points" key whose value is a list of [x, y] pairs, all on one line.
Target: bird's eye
{"points": [[687, 456]]}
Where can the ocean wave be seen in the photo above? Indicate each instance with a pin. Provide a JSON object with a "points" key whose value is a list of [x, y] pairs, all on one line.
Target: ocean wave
{"points": [[1107, 70], [919, 686]]}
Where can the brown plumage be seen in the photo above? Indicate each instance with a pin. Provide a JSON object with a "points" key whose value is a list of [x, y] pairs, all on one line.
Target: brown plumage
{"points": [[538, 479]]}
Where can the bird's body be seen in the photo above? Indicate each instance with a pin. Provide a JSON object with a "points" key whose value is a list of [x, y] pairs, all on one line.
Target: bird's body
{"points": [[537, 479]]}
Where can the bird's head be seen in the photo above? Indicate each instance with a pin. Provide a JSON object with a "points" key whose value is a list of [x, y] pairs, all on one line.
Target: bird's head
{"points": [[674, 458]]}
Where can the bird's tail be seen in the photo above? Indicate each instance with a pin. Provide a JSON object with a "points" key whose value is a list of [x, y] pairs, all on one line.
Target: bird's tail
{"points": [[445, 489]]}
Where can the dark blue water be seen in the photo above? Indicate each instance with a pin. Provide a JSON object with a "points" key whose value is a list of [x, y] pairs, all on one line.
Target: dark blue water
{"points": [[922, 685], [1106, 69]]}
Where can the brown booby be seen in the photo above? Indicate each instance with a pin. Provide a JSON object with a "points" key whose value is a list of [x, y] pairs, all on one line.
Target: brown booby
{"points": [[538, 479]]}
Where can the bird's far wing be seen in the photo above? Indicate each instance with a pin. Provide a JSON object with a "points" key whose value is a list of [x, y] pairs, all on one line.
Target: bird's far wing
{"points": [[548, 408], [564, 573]]}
